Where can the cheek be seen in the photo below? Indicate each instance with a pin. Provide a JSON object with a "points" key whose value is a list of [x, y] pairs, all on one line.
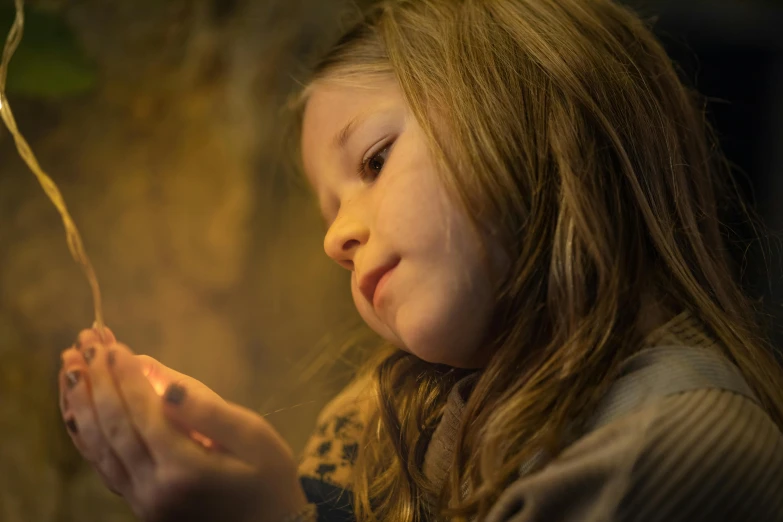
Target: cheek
{"points": [[445, 322], [411, 206]]}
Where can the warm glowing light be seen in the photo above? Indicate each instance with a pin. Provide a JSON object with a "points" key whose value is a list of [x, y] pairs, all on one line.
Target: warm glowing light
{"points": [[157, 384], [201, 439]]}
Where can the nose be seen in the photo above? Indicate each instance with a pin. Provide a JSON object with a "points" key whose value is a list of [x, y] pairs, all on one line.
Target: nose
{"points": [[343, 238]]}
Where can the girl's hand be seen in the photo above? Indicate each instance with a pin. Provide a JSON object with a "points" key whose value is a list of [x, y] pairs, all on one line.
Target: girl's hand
{"points": [[188, 455]]}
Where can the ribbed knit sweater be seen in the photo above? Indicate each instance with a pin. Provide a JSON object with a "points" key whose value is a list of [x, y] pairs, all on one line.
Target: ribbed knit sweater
{"points": [[705, 454]]}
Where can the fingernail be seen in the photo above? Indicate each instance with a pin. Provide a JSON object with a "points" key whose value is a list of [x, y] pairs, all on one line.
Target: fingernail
{"points": [[175, 394], [89, 354], [72, 427], [72, 378], [111, 357]]}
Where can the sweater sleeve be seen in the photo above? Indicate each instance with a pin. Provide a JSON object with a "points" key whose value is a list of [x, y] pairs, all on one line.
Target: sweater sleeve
{"points": [[703, 456]]}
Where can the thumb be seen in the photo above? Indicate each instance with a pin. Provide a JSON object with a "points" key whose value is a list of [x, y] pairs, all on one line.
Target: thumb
{"points": [[230, 426]]}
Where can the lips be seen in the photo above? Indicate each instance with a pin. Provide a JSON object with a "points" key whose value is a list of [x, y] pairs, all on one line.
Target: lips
{"points": [[369, 282]]}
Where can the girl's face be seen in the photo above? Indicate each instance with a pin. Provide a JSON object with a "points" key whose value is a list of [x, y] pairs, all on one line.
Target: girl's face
{"points": [[419, 276]]}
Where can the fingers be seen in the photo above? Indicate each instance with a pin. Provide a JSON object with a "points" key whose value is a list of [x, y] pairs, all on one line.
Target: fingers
{"points": [[119, 423], [83, 428], [172, 444], [71, 358], [112, 411], [142, 401], [171, 440], [92, 335], [66, 379]]}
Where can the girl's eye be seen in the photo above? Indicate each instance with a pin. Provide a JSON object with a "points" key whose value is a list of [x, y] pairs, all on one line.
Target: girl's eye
{"points": [[371, 167]]}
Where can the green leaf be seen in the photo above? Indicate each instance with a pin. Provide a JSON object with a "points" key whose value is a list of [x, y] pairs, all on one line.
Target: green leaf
{"points": [[49, 63]]}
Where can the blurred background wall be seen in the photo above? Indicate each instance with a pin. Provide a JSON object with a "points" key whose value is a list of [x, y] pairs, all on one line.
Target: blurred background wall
{"points": [[732, 52], [160, 120]]}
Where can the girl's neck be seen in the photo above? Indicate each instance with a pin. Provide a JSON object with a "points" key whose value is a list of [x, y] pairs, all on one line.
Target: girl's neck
{"points": [[654, 312]]}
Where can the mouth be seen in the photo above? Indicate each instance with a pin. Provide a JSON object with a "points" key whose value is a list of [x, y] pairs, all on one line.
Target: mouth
{"points": [[369, 284]]}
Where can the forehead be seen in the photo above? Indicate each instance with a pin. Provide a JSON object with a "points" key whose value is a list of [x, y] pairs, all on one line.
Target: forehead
{"points": [[330, 107]]}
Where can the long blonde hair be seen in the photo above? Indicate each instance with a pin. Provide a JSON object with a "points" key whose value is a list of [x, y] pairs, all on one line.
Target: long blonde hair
{"points": [[563, 126]]}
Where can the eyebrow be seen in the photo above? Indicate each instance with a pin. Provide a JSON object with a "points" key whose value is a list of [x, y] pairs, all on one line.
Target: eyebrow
{"points": [[344, 135]]}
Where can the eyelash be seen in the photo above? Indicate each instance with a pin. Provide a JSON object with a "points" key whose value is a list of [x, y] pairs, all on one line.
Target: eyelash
{"points": [[362, 170]]}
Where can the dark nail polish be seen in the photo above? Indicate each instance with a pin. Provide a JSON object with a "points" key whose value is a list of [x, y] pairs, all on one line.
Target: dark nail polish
{"points": [[72, 378], [111, 358], [89, 354], [175, 394], [72, 427]]}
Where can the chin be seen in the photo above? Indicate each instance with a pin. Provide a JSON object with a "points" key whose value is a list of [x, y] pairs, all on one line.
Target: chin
{"points": [[449, 344], [425, 330]]}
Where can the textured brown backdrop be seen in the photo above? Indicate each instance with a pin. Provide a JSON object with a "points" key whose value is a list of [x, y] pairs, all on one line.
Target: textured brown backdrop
{"points": [[208, 259]]}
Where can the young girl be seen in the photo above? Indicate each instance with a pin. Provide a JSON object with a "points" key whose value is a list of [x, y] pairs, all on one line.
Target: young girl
{"points": [[527, 199]]}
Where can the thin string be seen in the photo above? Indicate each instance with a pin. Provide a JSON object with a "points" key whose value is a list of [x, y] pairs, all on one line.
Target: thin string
{"points": [[71, 232]]}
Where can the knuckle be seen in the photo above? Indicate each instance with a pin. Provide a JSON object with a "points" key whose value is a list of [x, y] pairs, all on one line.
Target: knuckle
{"points": [[117, 431], [113, 430]]}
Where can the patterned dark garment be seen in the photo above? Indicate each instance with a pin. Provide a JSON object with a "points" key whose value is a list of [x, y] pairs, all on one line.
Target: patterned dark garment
{"points": [[327, 461]]}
